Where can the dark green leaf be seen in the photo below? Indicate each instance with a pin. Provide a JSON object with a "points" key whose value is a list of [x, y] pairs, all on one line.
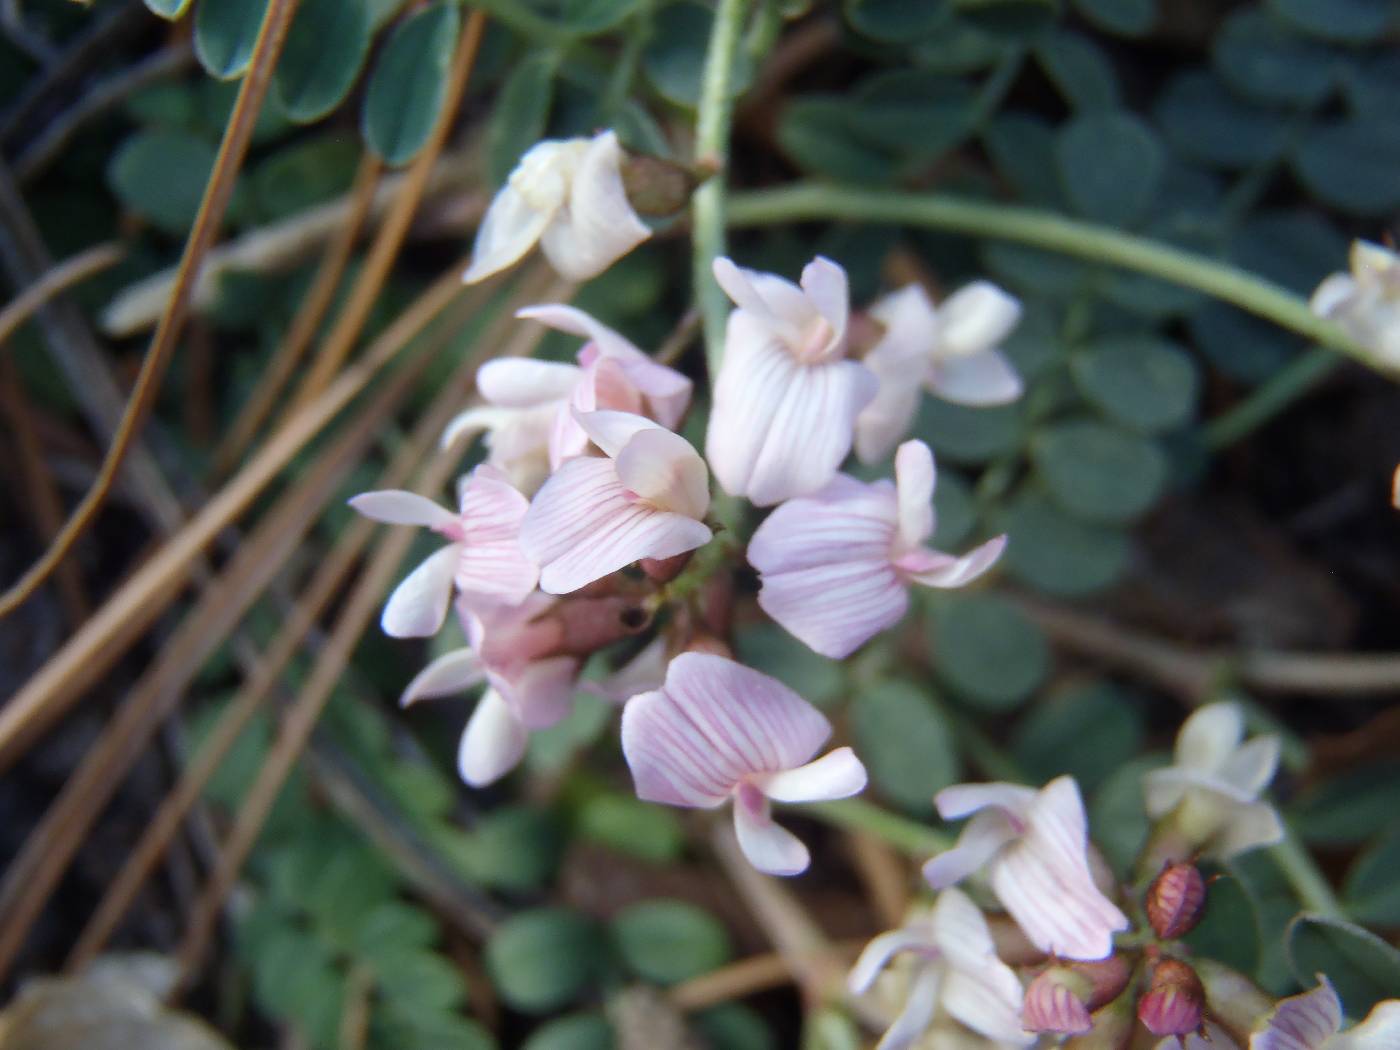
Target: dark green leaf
{"points": [[1023, 149], [897, 21], [1125, 17], [171, 9], [1352, 165], [669, 941], [1144, 382], [1022, 20], [734, 1026], [1363, 968], [970, 435], [1060, 554], [516, 848], [913, 112], [632, 826], [773, 651], [325, 49], [819, 134], [585, 17], [1111, 166], [419, 983], [1205, 123], [519, 116], [408, 87], [1373, 883], [224, 34], [988, 651], [959, 47], [1230, 929], [675, 55], [1087, 731], [1116, 813], [160, 175], [1349, 807], [1265, 60], [309, 172], [573, 1032], [955, 512], [905, 742], [1080, 69], [1240, 344], [1099, 472], [1345, 21], [543, 959]]}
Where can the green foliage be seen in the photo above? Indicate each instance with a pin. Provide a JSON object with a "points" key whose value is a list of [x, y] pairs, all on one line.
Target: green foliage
{"points": [[904, 739], [160, 175], [1087, 731], [631, 826], [573, 1032], [522, 109], [988, 651], [669, 941], [322, 57], [675, 53], [408, 86], [224, 34], [545, 958], [1363, 968], [1098, 471]]}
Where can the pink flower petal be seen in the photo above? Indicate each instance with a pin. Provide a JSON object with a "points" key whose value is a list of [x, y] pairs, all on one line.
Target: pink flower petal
{"points": [[418, 606], [1051, 1007], [396, 507], [1303, 1022], [879, 953], [985, 378], [492, 561], [1380, 1030], [780, 428], [492, 744], [541, 693], [775, 304], [523, 382], [936, 569], [583, 526], [961, 800], [712, 724], [611, 430], [920, 1008], [980, 841], [987, 1000], [835, 609], [598, 227], [837, 774], [574, 321], [846, 521], [663, 469], [826, 287], [643, 673], [976, 318], [509, 229], [915, 478], [769, 847], [450, 673]]}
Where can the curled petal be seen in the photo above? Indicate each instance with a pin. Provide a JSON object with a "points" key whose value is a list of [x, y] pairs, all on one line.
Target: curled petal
{"points": [[961, 800], [985, 378], [523, 382], [838, 774], [826, 287], [598, 225], [1209, 737], [1251, 767], [878, 954], [396, 507], [983, 838], [509, 229], [774, 304], [987, 1000], [570, 319], [976, 318], [418, 606], [541, 693], [1302, 1022], [918, 1013], [915, 478], [643, 673], [936, 569], [1333, 294], [611, 430], [664, 469], [448, 674], [769, 846], [1249, 827], [493, 742]]}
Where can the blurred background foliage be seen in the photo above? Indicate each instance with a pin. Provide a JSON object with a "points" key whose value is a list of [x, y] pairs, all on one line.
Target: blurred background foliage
{"points": [[1144, 478]]}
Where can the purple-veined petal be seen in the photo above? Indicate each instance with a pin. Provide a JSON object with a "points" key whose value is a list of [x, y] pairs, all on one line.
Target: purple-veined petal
{"points": [[835, 609], [936, 569], [597, 226], [541, 692], [670, 760], [976, 318], [611, 430], [574, 321], [983, 838], [988, 1001], [985, 378], [450, 673], [775, 305], [826, 287], [664, 469], [919, 1009], [846, 521], [509, 229], [418, 606], [915, 478], [879, 953], [583, 526], [837, 774], [1051, 1007], [961, 800], [643, 673], [493, 742], [1302, 1022], [396, 507], [492, 562], [960, 929], [767, 845], [523, 382]]}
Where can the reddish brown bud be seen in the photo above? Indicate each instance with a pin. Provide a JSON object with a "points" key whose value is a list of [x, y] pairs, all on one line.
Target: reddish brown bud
{"points": [[1174, 1002], [588, 624], [1176, 900], [1107, 978], [655, 186], [1055, 1003], [664, 570]]}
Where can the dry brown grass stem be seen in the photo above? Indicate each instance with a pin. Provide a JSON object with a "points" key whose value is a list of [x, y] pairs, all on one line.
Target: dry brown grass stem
{"points": [[385, 249], [271, 35], [757, 973], [126, 615], [325, 584], [304, 325], [301, 718], [62, 277]]}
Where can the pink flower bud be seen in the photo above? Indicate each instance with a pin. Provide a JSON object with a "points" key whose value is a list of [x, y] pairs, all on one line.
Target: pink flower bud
{"points": [[1055, 1003], [664, 570], [1174, 1002], [1107, 978], [1176, 900]]}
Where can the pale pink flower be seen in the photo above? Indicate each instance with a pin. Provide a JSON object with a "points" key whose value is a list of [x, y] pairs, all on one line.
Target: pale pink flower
{"points": [[567, 195], [716, 731], [1366, 301], [483, 557], [955, 972], [644, 498], [527, 688], [529, 412], [951, 351], [786, 398], [836, 566], [641, 674], [1214, 783], [1034, 848], [1313, 1021]]}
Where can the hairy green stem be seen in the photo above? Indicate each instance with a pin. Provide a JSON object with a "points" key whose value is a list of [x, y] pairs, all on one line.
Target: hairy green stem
{"points": [[711, 151], [1058, 233], [1308, 882], [854, 814]]}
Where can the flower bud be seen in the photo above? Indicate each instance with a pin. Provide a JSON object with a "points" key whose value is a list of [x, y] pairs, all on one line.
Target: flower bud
{"points": [[1176, 900], [1174, 1003], [664, 570], [1055, 1003]]}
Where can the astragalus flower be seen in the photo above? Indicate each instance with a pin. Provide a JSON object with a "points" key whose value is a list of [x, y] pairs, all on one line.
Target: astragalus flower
{"points": [[952, 351], [786, 398], [955, 971], [644, 498], [1366, 301], [568, 196], [1034, 849], [482, 559], [1313, 1021], [1213, 784], [509, 648], [836, 566], [717, 731], [530, 405]]}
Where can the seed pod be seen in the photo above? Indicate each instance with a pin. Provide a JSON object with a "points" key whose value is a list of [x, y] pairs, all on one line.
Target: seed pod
{"points": [[1174, 1003], [1055, 1003], [1176, 900]]}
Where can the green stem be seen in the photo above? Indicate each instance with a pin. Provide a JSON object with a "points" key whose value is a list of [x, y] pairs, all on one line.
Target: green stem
{"points": [[1270, 398], [712, 151], [1046, 230], [853, 814], [1307, 881]]}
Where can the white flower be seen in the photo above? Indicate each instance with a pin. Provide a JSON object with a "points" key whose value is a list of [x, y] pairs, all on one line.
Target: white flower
{"points": [[1366, 301], [568, 196], [1214, 783], [1313, 1021], [1034, 846], [951, 351], [955, 972]]}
